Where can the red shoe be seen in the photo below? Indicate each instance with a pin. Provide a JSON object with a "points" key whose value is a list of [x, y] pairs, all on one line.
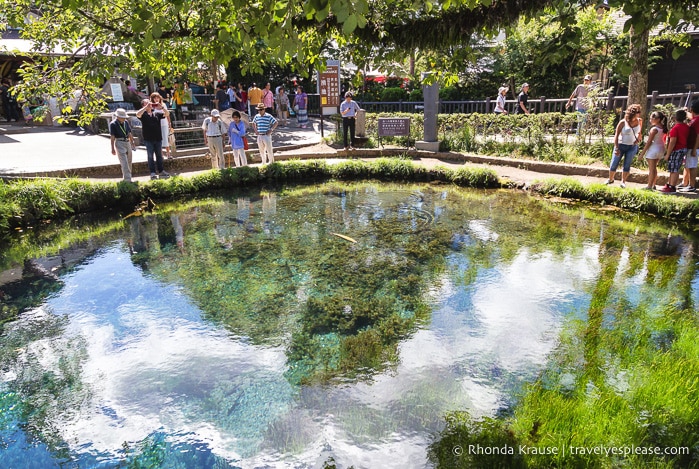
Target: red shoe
{"points": [[668, 189]]}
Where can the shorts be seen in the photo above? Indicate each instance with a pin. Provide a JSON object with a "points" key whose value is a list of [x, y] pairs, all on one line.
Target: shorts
{"points": [[691, 162], [655, 155], [674, 163]]}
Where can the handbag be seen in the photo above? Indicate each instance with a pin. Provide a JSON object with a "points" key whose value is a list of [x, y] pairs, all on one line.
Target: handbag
{"points": [[246, 146]]}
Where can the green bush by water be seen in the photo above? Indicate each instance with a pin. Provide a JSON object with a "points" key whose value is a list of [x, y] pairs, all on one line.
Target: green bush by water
{"points": [[25, 202], [675, 208]]}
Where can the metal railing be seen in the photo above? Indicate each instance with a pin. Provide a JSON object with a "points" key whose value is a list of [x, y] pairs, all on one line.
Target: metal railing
{"points": [[536, 105], [205, 102]]}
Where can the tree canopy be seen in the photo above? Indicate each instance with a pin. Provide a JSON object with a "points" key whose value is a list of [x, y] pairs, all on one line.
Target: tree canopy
{"points": [[166, 38]]}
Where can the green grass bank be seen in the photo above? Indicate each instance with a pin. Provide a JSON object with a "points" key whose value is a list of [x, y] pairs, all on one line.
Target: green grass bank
{"points": [[24, 203]]}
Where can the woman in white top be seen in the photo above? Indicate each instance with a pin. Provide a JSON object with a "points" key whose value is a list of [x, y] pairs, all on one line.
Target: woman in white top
{"points": [[626, 139], [500, 103], [654, 149]]}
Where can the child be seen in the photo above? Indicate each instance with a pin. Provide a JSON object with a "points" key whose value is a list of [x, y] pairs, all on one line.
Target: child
{"points": [[690, 166], [236, 134], [676, 150], [654, 149]]}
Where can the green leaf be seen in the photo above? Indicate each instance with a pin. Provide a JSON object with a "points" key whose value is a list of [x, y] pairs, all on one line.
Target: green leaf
{"points": [[157, 30], [342, 14], [350, 25], [223, 35], [322, 14], [677, 52], [361, 21]]}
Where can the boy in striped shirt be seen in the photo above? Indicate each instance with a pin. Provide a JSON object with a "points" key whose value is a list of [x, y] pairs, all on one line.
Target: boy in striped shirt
{"points": [[264, 124]]}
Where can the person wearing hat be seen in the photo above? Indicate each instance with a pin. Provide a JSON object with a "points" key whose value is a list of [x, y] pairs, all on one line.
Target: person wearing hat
{"points": [[523, 100], [348, 109], [214, 129], [264, 124], [122, 142], [500, 103]]}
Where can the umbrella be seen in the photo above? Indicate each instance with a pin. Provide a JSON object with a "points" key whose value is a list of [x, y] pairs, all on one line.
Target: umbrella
{"points": [[227, 117]]}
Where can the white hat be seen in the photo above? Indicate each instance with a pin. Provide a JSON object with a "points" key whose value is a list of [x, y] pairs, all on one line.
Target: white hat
{"points": [[215, 113], [524, 84], [588, 77], [121, 113], [502, 88]]}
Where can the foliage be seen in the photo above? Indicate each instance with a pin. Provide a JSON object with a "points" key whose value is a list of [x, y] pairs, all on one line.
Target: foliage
{"points": [[27, 201], [546, 136], [393, 94], [164, 38], [634, 199]]}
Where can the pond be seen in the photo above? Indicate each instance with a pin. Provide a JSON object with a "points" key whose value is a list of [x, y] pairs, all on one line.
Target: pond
{"points": [[330, 324]]}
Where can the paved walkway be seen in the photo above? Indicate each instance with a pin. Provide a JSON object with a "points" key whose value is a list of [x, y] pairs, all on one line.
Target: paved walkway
{"points": [[37, 149]]}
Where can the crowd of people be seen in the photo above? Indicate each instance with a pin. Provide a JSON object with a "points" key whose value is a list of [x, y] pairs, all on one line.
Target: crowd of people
{"points": [[266, 109], [676, 146], [270, 109], [277, 101]]}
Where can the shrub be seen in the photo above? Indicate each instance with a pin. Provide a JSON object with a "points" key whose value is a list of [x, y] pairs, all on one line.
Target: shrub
{"points": [[416, 95], [393, 94]]}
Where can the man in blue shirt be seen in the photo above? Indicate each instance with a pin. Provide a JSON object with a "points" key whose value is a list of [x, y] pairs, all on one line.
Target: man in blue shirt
{"points": [[264, 124], [348, 109]]}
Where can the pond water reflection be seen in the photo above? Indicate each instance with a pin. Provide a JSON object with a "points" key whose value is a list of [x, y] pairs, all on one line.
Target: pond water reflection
{"points": [[244, 332]]}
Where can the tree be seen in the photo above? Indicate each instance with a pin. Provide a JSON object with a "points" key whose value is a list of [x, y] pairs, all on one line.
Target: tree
{"points": [[644, 16], [166, 38]]}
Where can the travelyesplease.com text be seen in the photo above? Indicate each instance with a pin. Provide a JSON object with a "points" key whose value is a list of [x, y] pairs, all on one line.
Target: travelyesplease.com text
{"points": [[576, 450]]}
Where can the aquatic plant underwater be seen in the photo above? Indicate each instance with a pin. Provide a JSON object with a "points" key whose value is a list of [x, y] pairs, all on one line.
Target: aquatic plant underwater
{"points": [[451, 317]]}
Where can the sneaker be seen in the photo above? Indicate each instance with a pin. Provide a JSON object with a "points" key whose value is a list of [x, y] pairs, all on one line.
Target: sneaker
{"points": [[153, 176], [649, 188], [608, 182], [681, 186], [687, 189], [622, 185], [164, 175], [668, 189]]}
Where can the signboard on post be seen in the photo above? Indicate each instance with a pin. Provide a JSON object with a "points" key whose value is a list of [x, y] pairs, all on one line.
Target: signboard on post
{"points": [[117, 95], [329, 88], [394, 127]]}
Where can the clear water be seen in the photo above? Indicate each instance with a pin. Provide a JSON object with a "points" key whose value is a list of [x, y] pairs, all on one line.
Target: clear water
{"points": [[244, 332]]}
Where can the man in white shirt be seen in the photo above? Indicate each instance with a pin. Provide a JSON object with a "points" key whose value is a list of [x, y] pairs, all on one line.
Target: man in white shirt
{"points": [[214, 129], [348, 109]]}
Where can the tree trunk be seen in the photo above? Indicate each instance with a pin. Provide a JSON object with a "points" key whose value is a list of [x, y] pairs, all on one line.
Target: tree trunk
{"points": [[638, 80]]}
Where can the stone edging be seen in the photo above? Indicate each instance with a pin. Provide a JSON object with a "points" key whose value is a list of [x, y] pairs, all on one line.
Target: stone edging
{"points": [[200, 163]]}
